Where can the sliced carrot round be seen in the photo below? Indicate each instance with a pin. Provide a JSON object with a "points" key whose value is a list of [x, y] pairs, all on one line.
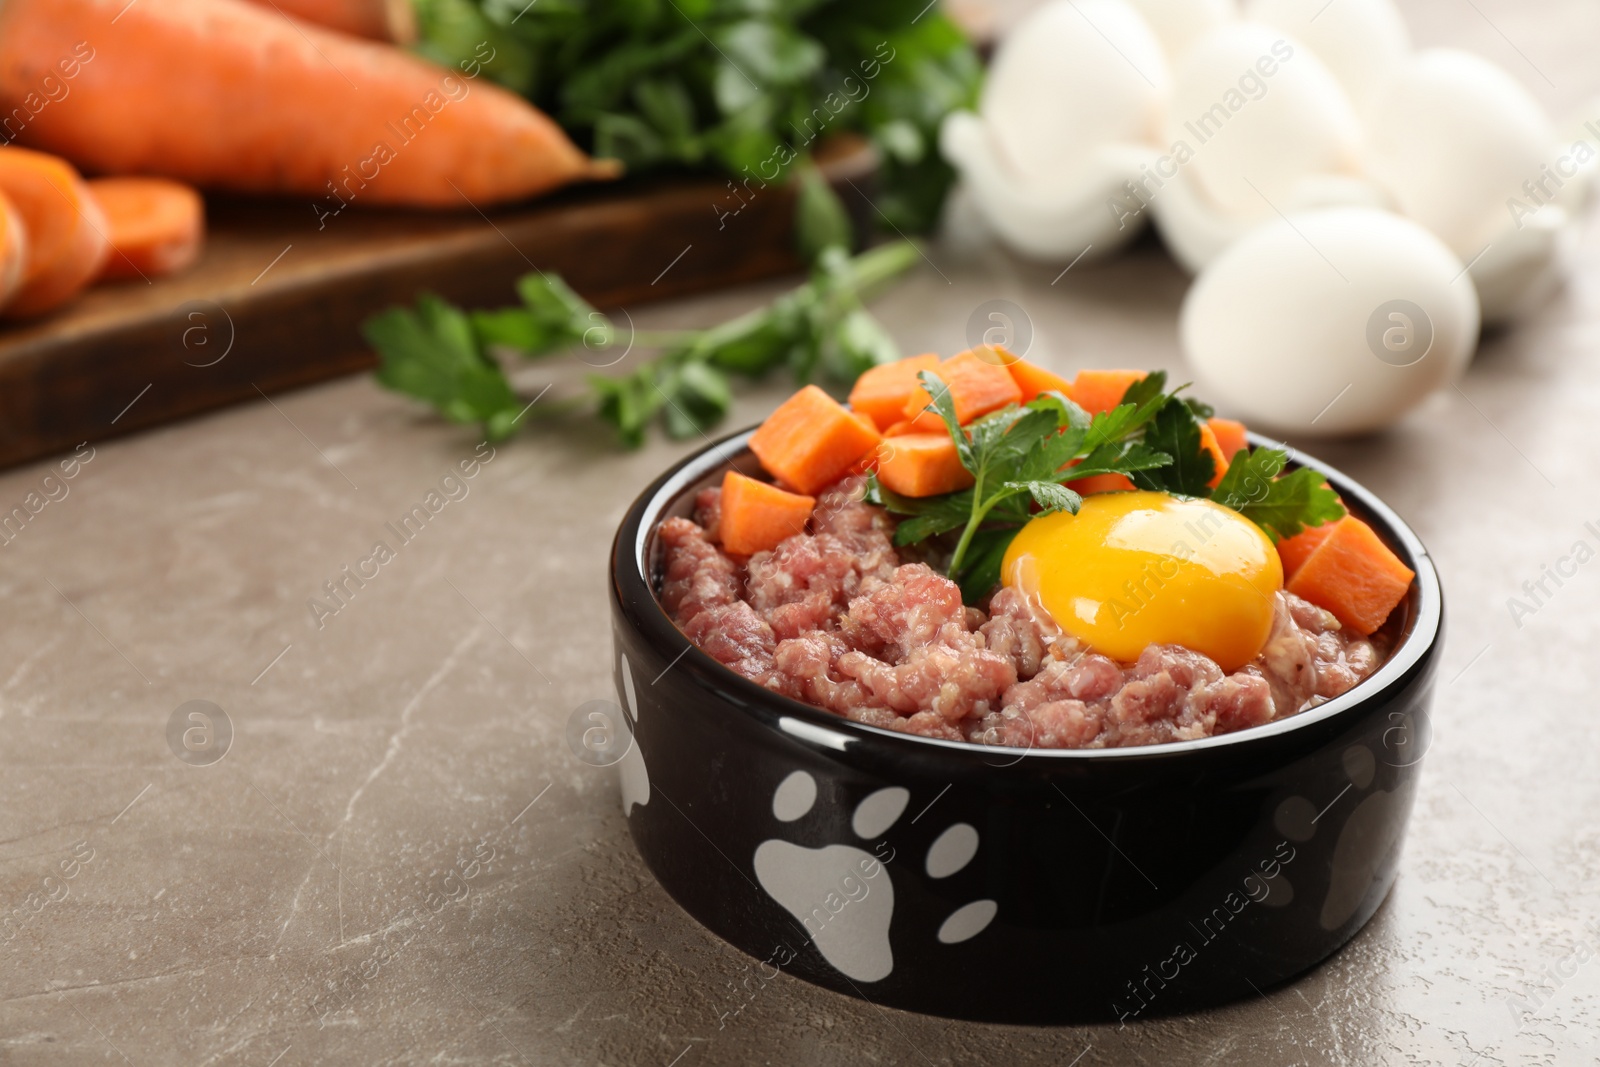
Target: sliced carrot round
{"points": [[155, 225], [67, 243], [13, 250]]}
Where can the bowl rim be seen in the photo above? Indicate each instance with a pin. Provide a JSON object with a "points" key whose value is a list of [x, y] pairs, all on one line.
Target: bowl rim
{"points": [[818, 726]]}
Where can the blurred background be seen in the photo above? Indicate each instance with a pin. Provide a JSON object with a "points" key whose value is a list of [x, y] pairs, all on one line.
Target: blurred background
{"points": [[272, 272]]}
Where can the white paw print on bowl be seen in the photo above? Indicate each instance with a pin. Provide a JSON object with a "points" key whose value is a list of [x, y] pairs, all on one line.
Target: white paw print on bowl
{"points": [[854, 936], [1368, 837]]}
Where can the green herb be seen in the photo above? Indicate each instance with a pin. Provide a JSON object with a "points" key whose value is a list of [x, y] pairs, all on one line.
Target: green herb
{"points": [[1019, 458], [439, 354], [1176, 431], [431, 353], [743, 86], [1280, 506]]}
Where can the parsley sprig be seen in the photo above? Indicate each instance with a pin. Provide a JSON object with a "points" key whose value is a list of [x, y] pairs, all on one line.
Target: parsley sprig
{"points": [[1282, 506], [743, 88], [1021, 457], [438, 353]]}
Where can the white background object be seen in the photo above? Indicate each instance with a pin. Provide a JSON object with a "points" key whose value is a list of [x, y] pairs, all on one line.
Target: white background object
{"points": [[1285, 328]]}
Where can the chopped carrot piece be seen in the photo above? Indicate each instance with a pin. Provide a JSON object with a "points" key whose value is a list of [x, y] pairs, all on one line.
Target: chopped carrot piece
{"points": [[1101, 483], [900, 429], [811, 440], [1101, 390], [1208, 441], [1354, 575], [921, 464], [66, 229], [155, 225], [1231, 436], [978, 382], [1293, 551], [869, 459], [881, 393], [1033, 380], [758, 515]]}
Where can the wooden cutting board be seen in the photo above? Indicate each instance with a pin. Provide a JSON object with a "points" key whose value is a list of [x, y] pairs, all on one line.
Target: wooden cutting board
{"points": [[278, 295]]}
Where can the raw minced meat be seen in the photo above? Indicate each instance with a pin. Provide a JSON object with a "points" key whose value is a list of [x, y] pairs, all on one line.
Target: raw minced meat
{"points": [[834, 618]]}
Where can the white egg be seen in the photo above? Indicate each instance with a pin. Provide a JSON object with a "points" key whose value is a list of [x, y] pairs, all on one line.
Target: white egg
{"points": [[1330, 322], [1073, 75], [1259, 113], [1179, 23], [1195, 231], [1457, 140], [1524, 266], [1362, 42], [1051, 222], [1577, 159]]}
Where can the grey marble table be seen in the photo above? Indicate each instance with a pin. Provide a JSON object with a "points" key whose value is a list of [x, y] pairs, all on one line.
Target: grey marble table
{"points": [[400, 861]]}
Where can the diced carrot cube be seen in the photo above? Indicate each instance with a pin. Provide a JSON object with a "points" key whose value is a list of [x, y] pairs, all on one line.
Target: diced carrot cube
{"points": [[1231, 436], [921, 464], [811, 440], [1101, 390], [757, 515], [1208, 441], [978, 383], [1354, 575], [1101, 483], [1033, 380], [881, 392], [1293, 551]]}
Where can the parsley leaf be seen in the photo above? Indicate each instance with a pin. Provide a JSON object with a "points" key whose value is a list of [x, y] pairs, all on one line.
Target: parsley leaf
{"points": [[1176, 431], [431, 353], [1282, 506], [1019, 458], [1050, 496], [551, 316], [439, 354]]}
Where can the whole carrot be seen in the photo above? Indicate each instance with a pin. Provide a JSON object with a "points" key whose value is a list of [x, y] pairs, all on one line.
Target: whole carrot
{"points": [[225, 94], [380, 20]]}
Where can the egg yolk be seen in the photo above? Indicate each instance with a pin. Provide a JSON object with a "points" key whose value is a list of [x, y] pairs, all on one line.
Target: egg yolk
{"points": [[1132, 570]]}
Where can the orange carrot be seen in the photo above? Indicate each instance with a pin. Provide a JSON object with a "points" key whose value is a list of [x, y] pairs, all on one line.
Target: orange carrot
{"points": [[921, 464], [1101, 390], [899, 429], [155, 225], [224, 93], [13, 250], [1208, 441], [1354, 575], [1293, 551], [379, 20], [977, 383], [811, 440], [1033, 380], [1101, 483], [66, 229], [1230, 436], [881, 392], [756, 515]]}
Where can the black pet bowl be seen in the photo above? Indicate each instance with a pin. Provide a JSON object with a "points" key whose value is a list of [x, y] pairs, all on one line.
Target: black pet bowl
{"points": [[1005, 885]]}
